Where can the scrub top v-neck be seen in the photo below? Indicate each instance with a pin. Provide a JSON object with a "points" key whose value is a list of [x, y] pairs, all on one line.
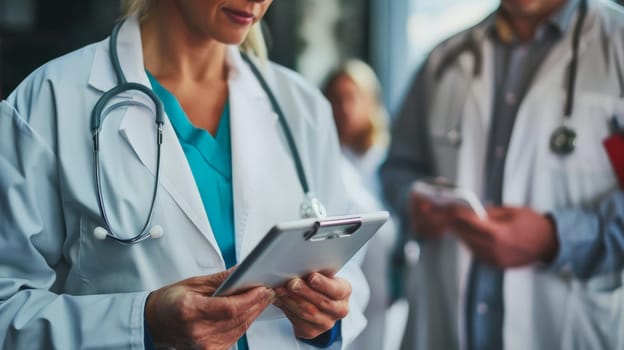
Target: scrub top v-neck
{"points": [[210, 160]]}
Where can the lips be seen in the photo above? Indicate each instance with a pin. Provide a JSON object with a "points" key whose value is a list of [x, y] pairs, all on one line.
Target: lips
{"points": [[239, 17]]}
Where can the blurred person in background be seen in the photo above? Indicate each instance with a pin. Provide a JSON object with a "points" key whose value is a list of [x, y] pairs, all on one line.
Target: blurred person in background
{"points": [[70, 281], [354, 93], [516, 109]]}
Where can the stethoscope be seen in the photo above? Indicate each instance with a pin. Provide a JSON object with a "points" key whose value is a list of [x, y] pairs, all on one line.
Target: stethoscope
{"points": [[310, 207], [563, 139]]}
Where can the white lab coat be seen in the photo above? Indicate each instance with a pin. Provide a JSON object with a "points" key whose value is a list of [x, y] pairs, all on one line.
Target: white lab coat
{"points": [[543, 309], [60, 287]]}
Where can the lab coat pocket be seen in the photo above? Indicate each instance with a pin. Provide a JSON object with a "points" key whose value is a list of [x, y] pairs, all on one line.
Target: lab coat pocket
{"points": [[110, 267], [595, 319], [586, 173], [105, 265]]}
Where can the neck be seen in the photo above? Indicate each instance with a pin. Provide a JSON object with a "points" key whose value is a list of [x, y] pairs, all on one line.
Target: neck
{"points": [[174, 51], [525, 25]]}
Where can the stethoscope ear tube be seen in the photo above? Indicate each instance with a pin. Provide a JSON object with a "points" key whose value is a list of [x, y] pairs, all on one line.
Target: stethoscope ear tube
{"points": [[107, 231], [311, 206], [563, 139]]}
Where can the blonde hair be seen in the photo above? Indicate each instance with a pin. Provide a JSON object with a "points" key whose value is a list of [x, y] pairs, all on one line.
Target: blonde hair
{"points": [[366, 81], [254, 43]]}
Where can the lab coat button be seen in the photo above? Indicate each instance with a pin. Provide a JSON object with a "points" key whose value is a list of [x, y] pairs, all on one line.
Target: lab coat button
{"points": [[482, 308]]}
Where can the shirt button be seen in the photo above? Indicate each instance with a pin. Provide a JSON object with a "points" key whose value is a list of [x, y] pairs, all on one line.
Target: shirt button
{"points": [[482, 308], [522, 50], [566, 269], [510, 98]]}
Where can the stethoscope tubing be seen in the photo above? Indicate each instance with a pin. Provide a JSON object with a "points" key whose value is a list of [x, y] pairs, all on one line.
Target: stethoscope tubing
{"points": [[283, 122], [310, 207], [97, 118], [564, 131]]}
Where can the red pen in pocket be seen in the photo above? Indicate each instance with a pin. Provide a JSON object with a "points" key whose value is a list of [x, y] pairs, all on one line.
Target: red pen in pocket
{"points": [[614, 145]]}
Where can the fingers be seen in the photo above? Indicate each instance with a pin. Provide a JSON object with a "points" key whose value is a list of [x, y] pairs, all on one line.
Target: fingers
{"points": [[467, 223], [334, 288], [242, 321], [500, 213], [231, 307], [333, 303], [208, 284], [314, 305], [303, 328]]}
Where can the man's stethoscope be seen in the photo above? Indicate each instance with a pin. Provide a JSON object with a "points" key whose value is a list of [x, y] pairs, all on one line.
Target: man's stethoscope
{"points": [[310, 207], [563, 138]]}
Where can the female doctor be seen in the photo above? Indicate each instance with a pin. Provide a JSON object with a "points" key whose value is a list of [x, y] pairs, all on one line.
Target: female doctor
{"points": [[76, 182]]}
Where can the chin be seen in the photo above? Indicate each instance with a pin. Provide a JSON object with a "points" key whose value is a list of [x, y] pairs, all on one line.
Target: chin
{"points": [[232, 37], [522, 7]]}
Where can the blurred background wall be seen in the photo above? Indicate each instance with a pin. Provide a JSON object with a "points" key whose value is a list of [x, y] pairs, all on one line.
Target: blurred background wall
{"points": [[310, 36]]}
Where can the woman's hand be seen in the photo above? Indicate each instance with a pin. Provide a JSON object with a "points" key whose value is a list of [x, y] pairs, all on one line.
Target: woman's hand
{"points": [[314, 304], [184, 315]]}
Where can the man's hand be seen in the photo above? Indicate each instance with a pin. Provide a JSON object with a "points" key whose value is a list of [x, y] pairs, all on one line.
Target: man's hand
{"points": [[509, 237], [427, 220], [184, 315], [315, 304]]}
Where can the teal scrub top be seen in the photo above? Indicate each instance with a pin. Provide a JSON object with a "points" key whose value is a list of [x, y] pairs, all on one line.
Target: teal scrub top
{"points": [[210, 160]]}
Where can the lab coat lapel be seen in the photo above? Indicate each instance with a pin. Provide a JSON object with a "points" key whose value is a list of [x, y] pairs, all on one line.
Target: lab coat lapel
{"points": [[250, 125], [138, 129], [130, 52], [553, 83], [175, 173], [262, 169], [480, 92], [520, 283]]}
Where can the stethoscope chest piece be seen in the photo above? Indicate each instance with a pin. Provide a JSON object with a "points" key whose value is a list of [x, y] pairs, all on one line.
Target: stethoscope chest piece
{"points": [[311, 207], [563, 141]]}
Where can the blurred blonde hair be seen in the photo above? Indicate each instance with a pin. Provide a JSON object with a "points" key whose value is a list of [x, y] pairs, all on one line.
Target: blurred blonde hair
{"points": [[254, 43], [365, 80]]}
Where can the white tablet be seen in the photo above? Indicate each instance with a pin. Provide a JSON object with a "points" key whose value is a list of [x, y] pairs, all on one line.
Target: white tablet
{"points": [[298, 248]]}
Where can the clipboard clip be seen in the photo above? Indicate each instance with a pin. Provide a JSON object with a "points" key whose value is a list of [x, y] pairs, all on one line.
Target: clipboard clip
{"points": [[333, 229]]}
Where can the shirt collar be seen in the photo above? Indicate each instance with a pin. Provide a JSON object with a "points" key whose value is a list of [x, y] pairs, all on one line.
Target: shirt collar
{"points": [[560, 22]]}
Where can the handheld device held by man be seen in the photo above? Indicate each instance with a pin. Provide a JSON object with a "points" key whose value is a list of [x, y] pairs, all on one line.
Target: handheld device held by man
{"points": [[442, 192]]}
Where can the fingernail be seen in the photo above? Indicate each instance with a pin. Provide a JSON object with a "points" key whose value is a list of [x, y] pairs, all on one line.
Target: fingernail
{"points": [[294, 284], [315, 281], [271, 293]]}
